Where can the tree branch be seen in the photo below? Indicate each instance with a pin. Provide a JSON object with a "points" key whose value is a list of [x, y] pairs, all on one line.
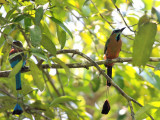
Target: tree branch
{"points": [[81, 65]]}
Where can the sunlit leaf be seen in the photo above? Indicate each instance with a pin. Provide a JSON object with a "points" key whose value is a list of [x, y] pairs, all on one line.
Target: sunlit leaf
{"points": [[5, 53], [143, 43], [16, 69], [141, 113], [36, 36], [48, 44], [62, 99], [41, 2], [37, 75], [61, 25], [61, 36]]}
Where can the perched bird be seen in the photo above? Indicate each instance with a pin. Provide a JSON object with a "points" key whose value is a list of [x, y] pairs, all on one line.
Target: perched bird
{"points": [[14, 61], [17, 47], [112, 48]]}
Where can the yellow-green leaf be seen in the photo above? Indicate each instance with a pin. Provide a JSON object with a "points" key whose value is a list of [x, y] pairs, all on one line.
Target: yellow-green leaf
{"points": [[144, 19], [37, 75], [61, 25], [62, 99], [61, 36], [48, 44], [143, 43]]}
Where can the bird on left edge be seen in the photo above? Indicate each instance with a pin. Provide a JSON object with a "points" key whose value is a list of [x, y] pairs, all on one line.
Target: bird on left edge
{"points": [[17, 47]]}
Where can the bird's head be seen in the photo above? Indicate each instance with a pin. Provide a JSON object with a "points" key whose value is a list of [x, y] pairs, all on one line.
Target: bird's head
{"points": [[17, 43], [117, 33]]}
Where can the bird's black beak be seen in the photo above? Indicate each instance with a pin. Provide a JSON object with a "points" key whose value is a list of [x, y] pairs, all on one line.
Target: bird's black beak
{"points": [[122, 29]]}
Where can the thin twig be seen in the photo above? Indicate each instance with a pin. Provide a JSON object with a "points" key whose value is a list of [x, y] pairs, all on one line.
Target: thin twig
{"points": [[102, 15], [25, 36], [131, 108], [51, 82], [60, 81], [123, 18]]}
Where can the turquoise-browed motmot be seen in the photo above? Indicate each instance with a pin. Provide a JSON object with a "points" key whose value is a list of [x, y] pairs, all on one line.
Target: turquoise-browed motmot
{"points": [[111, 51], [112, 48]]}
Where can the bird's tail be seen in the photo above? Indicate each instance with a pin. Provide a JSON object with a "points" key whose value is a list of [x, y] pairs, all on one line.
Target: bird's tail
{"points": [[17, 110], [106, 107], [109, 73], [18, 81]]}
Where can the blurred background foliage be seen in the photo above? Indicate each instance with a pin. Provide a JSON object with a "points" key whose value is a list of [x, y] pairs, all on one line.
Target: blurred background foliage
{"points": [[51, 25]]}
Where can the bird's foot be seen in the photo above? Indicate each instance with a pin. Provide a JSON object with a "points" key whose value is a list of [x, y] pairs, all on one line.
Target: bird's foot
{"points": [[24, 68]]}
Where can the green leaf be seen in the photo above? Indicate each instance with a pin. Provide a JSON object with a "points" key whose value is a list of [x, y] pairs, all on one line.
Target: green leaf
{"points": [[27, 23], [95, 83], [141, 113], [2, 39], [19, 18], [157, 113], [5, 53], [38, 15], [62, 99], [36, 36], [143, 43], [41, 2], [61, 36], [57, 60], [37, 75], [39, 53], [10, 12], [118, 79], [144, 19], [15, 54], [62, 26], [48, 44], [16, 69], [157, 13]]}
